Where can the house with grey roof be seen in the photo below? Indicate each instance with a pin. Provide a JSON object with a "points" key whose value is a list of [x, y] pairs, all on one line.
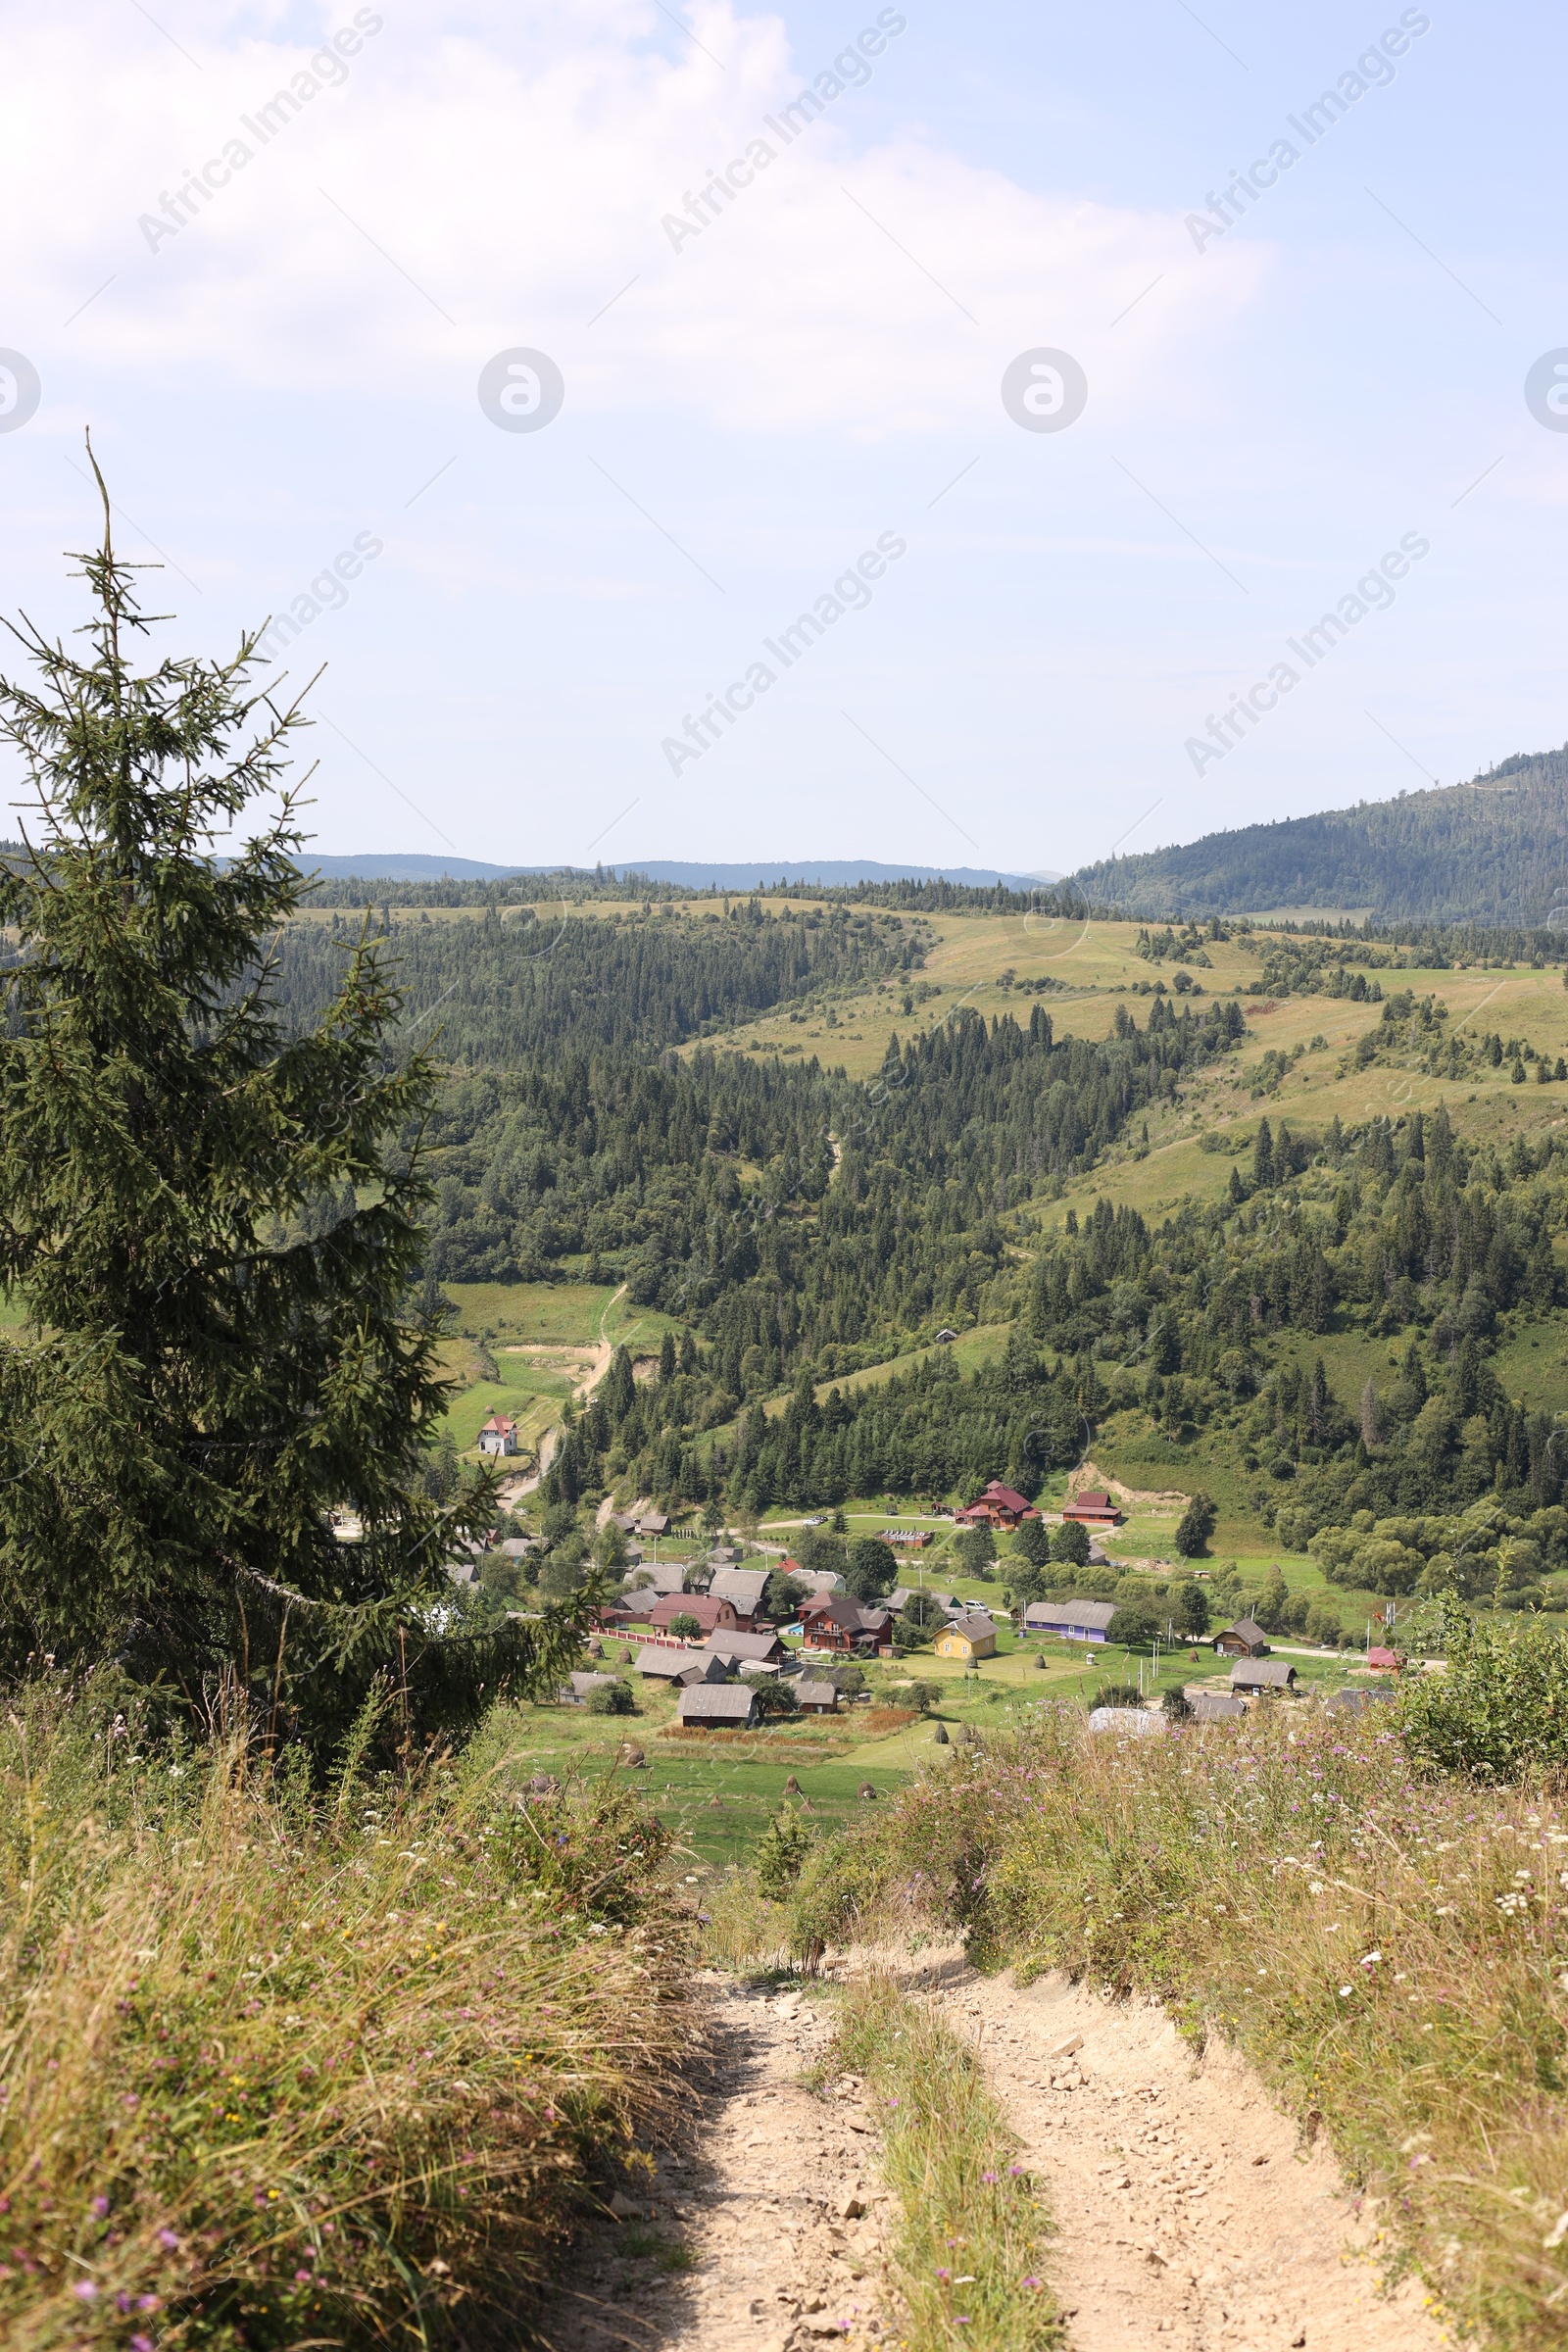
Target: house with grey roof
{"points": [[727, 1706], [738, 1649], [680, 1668], [1259, 1675], [1216, 1706], [1246, 1639], [816, 1699], [1070, 1620], [1355, 1700], [742, 1588], [576, 1686]]}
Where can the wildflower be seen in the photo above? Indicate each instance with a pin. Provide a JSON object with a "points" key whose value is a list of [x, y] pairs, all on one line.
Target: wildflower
{"points": [[1345, 1992], [99, 2206], [1370, 1959], [141, 2343]]}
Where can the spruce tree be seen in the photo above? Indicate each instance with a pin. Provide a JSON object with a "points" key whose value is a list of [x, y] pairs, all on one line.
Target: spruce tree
{"points": [[211, 1220]]}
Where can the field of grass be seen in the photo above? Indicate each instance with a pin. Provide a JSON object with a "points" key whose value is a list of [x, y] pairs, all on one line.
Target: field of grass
{"points": [[531, 1398], [284, 2072], [554, 1314], [684, 1777]]}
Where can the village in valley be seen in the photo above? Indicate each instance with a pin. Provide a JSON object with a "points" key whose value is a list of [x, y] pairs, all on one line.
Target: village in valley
{"points": [[824, 1658]]}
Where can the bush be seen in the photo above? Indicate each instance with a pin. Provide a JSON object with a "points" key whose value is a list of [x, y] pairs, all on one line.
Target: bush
{"points": [[1069, 1543], [684, 1627], [781, 1854], [920, 1620], [1500, 1708], [1117, 1694], [611, 1698]]}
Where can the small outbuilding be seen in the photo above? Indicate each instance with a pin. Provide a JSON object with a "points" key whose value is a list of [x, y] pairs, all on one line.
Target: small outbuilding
{"points": [[1246, 1639], [718, 1706], [1216, 1706], [578, 1687], [680, 1668], [816, 1699], [1260, 1676]]}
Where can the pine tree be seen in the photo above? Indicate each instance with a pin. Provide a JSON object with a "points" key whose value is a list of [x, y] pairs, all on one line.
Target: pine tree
{"points": [[212, 1223]]}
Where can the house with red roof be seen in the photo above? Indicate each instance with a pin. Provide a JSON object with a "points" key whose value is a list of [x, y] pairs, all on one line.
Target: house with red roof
{"points": [[712, 1616], [832, 1621], [1092, 1508], [1384, 1661], [998, 1506], [499, 1435]]}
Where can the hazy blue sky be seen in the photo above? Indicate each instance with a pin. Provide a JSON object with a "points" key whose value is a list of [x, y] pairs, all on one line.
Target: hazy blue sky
{"points": [[286, 368]]}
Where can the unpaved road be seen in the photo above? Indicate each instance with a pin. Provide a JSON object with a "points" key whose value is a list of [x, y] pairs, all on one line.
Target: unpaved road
{"points": [[763, 2197], [1185, 2209], [1186, 2214]]}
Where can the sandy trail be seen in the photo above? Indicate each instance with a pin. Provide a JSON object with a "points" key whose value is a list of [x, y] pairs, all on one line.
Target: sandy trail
{"points": [[1185, 2212], [771, 2191], [1185, 2209]]}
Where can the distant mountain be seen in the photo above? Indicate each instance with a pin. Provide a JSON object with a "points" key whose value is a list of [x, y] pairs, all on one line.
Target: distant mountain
{"points": [[379, 865], [1493, 851], [836, 872]]}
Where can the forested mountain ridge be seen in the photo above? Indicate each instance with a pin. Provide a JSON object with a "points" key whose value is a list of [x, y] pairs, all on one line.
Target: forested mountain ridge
{"points": [[1493, 851], [493, 991]]}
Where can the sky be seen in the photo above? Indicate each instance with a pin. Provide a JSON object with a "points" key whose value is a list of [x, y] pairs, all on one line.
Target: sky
{"points": [[703, 431]]}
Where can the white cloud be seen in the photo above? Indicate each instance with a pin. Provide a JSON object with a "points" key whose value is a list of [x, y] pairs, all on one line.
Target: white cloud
{"points": [[519, 176]]}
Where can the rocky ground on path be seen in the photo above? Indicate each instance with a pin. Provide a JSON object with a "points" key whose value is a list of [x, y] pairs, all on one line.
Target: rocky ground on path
{"points": [[759, 2227], [1186, 2213]]}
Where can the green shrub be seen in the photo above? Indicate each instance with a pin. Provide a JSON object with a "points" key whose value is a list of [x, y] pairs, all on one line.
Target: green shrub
{"points": [[781, 1854], [1501, 1707], [611, 1698]]}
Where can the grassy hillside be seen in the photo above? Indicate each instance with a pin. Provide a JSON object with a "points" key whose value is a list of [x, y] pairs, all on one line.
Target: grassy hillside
{"points": [[1493, 851]]}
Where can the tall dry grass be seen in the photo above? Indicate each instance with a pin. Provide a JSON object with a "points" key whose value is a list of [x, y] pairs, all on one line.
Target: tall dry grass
{"points": [[1388, 1945], [276, 2072]]}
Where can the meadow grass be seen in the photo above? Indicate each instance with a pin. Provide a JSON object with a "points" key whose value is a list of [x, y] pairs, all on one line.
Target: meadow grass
{"points": [[1388, 1945], [278, 2069]]}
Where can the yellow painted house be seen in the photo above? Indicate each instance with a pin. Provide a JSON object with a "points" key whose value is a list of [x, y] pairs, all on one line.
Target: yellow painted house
{"points": [[970, 1637]]}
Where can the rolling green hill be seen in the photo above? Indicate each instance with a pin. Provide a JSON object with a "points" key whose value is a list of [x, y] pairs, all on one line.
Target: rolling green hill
{"points": [[1493, 851]]}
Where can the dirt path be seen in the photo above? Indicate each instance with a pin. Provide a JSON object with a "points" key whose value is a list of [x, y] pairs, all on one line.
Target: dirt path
{"points": [[758, 2227], [1184, 2209], [1185, 2212], [603, 1350]]}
